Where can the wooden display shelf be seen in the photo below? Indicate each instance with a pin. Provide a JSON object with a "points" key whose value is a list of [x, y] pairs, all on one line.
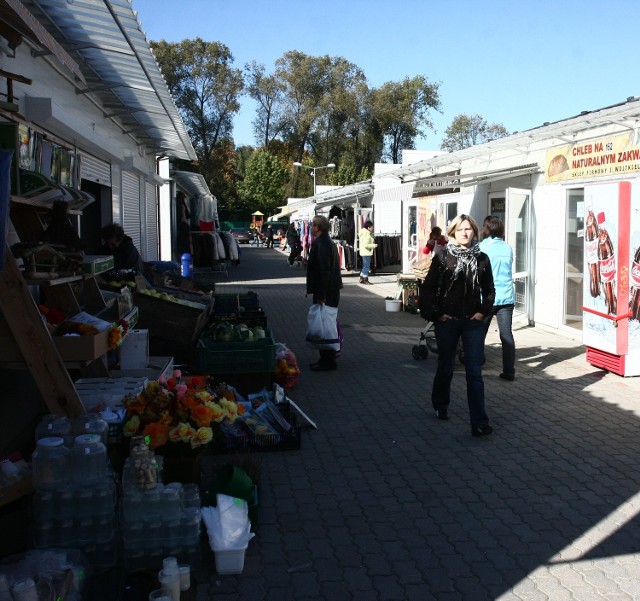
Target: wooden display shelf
{"points": [[22, 487]]}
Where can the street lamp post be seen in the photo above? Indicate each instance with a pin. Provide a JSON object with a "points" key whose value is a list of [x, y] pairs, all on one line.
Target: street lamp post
{"points": [[313, 171]]}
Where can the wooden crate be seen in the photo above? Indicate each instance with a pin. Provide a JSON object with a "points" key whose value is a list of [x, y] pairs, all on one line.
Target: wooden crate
{"points": [[169, 320]]}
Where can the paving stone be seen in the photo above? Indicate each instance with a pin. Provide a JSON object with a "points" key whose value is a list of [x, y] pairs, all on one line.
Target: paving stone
{"points": [[384, 501]]}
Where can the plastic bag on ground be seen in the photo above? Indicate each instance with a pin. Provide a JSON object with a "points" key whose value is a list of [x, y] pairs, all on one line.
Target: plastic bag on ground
{"points": [[228, 525]]}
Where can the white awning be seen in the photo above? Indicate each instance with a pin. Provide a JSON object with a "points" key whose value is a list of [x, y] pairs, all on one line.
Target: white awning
{"points": [[442, 182]]}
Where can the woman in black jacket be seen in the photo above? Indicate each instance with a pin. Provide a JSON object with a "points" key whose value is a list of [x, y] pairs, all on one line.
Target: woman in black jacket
{"points": [[457, 295], [324, 279]]}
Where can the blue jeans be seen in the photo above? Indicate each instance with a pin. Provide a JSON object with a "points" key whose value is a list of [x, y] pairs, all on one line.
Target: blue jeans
{"points": [[473, 333], [366, 266], [504, 317]]}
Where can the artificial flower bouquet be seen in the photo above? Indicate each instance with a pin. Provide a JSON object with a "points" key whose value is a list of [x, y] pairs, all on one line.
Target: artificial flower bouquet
{"points": [[183, 411]]}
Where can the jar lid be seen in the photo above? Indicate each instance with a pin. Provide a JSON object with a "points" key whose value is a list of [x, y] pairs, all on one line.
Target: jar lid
{"points": [[50, 441], [88, 439]]}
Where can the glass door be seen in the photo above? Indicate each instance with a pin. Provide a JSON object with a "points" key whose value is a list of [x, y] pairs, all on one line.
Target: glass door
{"points": [[518, 232], [410, 254], [574, 262]]}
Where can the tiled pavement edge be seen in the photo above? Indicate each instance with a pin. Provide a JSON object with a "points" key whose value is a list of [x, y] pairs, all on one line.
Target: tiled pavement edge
{"points": [[384, 502]]}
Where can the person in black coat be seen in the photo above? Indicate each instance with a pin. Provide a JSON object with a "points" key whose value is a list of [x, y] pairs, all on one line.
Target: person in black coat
{"points": [[324, 280], [124, 251], [458, 295], [293, 240]]}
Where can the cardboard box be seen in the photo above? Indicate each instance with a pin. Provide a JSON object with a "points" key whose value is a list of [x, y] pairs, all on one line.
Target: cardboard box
{"points": [[82, 348], [134, 350], [95, 264]]}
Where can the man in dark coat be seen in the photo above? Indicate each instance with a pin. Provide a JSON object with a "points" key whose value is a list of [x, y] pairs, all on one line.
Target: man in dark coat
{"points": [[324, 280], [293, 240]]}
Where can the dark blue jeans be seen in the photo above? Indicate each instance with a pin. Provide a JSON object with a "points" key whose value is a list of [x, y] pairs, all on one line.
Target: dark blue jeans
{"points": [[504, 317], [472, 333]]}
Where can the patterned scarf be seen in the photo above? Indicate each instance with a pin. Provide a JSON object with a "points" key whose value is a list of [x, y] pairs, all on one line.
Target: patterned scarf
{"points": [[466, 265]]}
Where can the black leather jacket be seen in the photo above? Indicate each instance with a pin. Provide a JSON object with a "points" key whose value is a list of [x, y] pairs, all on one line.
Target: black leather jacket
{"points": [[463, 299], [324, 279]]}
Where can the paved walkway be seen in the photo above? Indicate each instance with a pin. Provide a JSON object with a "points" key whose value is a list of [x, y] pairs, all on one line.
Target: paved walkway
{"points": [[385, 503]]}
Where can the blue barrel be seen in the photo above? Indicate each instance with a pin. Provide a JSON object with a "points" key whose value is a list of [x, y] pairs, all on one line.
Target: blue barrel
{"points": [[185, 265]]}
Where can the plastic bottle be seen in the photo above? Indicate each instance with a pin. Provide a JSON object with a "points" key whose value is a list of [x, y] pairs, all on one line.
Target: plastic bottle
{"points": [[591, 252], [607, 261], [186, 266]]}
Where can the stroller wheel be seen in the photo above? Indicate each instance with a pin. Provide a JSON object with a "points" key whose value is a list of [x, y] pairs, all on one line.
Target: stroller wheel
{"points": [[432, 345], [419, 352]]}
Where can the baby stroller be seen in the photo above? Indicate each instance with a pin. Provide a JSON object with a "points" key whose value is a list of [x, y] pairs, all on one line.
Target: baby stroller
{"points": [[421, 351]]}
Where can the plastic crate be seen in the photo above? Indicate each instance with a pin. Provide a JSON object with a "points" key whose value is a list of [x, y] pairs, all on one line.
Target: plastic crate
{"points": [[251, 318], [265, 443], [214, 357], [226, 304]]}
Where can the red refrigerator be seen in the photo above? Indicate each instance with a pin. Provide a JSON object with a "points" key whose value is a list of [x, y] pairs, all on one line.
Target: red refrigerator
{"points": [[611, 293]]}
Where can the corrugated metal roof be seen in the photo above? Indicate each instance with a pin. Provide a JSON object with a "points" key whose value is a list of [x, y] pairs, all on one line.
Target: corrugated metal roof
{"points": [[106, 40], [624, 115], [193, 183]]}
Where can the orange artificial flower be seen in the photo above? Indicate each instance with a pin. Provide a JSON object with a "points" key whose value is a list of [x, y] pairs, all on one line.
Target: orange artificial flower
{"points": [[202, 415], [158, 434]]}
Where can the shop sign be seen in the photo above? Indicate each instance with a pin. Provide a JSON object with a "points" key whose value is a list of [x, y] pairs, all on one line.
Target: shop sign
{"points": [[612, 155]]}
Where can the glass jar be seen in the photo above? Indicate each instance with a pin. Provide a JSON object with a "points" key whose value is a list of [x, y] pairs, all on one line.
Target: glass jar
{"points": [[53, 425], [89, 460], [50, 463], [92, 423]]}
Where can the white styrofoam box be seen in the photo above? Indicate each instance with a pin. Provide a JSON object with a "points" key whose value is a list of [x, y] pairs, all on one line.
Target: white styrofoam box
{"points": [[134, 350], [230, 561]]}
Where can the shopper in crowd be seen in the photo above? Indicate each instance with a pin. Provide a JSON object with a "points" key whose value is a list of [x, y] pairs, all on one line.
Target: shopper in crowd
{"points": [[435, 239], [457, 295], [269, 237], [501, 256], [324, 280], [295, 245], [117, 243], [366, 245]]}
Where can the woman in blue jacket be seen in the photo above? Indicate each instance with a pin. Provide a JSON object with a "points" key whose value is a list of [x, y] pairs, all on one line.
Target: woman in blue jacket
{"points": [[501, 256]]}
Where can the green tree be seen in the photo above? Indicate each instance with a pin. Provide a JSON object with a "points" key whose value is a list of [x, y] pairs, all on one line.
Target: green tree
{"points": [[402, 112], [206, 89], [263, 187], [267, 91], [469, 130]]}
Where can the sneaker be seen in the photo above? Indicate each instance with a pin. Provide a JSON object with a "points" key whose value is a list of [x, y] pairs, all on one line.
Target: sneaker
{"points": [[442, 414], [508, 377], [481, 430]]}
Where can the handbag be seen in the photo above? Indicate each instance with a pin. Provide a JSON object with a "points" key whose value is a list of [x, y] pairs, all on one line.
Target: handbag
{"points": [[322, 328]]}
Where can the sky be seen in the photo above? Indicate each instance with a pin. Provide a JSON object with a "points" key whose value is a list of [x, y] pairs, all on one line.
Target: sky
{"points": [[520, 63]]}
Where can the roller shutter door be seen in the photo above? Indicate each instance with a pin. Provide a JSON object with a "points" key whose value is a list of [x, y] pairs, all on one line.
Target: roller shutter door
{"points": [[151, 222], [131, 219], [95, 170]]}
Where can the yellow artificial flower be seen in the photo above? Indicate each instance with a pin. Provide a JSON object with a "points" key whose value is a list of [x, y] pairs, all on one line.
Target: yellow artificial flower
{"points": [[131, 426], [201, 437], [181, 433]]}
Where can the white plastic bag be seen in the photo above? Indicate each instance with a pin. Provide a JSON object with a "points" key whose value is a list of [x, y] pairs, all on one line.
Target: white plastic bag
{"points": [[228, 524], [322, 327]]}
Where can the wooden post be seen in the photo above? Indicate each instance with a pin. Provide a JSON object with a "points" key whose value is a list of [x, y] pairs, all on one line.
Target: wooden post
{"points": [[34, 341]]}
